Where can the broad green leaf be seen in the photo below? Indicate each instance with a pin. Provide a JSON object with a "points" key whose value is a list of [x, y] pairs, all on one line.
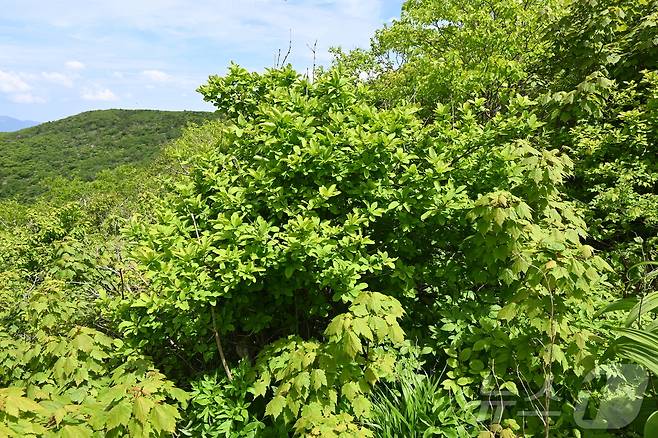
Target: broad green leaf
{"points": [[163, 418], [275, 406], [644, 305], [361, 406], [70, 431], [651, 426], [141, 408], [508, 312], [119, 415]]}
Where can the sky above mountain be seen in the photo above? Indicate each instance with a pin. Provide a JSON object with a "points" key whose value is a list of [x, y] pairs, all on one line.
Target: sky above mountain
{"points": [[62, 57]]}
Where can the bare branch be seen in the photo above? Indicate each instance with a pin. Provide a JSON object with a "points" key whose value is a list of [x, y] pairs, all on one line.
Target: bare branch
{"points": [[218, 341], [314, 50], [285, 58]]}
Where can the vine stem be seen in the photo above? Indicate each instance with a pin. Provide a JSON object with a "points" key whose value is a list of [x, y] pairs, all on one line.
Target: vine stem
{"points": [[218, 341]]}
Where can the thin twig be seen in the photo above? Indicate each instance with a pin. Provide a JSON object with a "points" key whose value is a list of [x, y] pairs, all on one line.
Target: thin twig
{"points": [[285, 58], [218, 341], [123, 282], [314, 51]]}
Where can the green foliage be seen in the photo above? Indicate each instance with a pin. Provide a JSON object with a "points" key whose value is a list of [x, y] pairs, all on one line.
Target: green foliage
{"points": [[221, 408], [604, 86], [78, 381], [618, 173], [291, 232], [313, 381], [447, 52], [591, 65], [616, 38], [639, 345], [474, 187], [60, 372], [311, 208], [417, 406], [589, 78], [84, 145]]}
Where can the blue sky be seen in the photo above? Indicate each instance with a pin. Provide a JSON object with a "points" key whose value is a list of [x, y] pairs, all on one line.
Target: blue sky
{"points": [[61, 57]]}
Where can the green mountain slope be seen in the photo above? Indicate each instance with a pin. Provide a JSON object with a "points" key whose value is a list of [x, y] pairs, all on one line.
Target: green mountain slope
{"points": [[85, 144]]}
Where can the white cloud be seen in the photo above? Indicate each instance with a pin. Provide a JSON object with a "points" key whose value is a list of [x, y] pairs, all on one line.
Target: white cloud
{"points": [[129, 45], [12, 83], [156, 76], [104, 95], [75, 65], [17, 89], [241, 29], [58, 78], [26, 98]]}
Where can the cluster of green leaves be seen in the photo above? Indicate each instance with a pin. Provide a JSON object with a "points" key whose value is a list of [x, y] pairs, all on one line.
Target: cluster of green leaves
{"points": [[228, 253], [311, 379], [638, 344], [219, 407], [59, 378], [85, 144], [62, 373], [451, 51], [474, 187], [584, 74], [77, 383]]}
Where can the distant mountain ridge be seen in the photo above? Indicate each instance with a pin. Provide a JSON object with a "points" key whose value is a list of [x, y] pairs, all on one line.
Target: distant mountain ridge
{"points": [[10, 124], [83, 145]]}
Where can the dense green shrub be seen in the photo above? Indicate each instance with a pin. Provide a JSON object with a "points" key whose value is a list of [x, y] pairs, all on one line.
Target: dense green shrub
{"points": [[309, 218], [603, 109], [449, 51], [219, 407], [61, 379]]}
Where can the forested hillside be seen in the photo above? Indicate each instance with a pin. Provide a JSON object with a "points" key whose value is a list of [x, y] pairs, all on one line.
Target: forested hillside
{"points": [[452, 233], [82, 145]]}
